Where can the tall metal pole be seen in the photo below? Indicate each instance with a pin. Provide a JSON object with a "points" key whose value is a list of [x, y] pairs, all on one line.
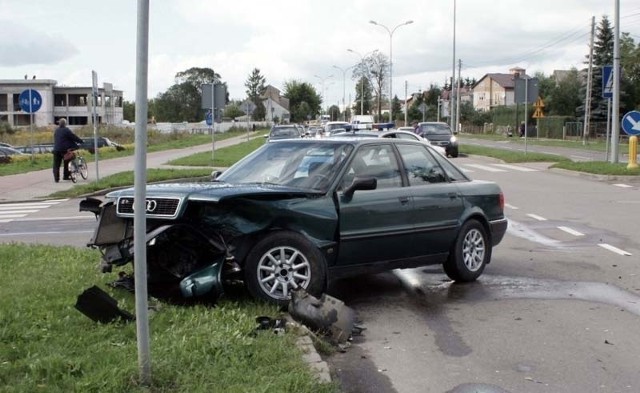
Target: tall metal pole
{"points": [[587, 99], [453, 70], [406, 110], [458, 97], [344, 74], [390, 56], [615, 115], [361, 82], [140, 183]]}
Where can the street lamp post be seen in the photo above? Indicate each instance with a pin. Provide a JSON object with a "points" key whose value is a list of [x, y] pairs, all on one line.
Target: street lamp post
{"points": [[390, 56], [344, 73], [322, 84], [361, 80]]}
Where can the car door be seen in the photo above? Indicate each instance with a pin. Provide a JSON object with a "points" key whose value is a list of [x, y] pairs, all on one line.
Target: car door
{"points": [[438, 205], [374, 224]]}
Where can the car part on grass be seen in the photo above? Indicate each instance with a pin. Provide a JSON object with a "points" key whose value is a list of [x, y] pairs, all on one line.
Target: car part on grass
{"points": [[326, 316], [100, 307]]}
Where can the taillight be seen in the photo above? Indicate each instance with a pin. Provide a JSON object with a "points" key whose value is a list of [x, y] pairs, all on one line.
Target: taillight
{"points": [[501, 200]]}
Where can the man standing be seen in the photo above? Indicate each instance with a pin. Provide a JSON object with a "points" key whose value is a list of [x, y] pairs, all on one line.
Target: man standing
{"points": [[63, 140]]}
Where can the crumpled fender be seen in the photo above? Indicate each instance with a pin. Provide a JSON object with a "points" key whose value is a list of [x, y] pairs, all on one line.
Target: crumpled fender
{"points": [[204, 281]]}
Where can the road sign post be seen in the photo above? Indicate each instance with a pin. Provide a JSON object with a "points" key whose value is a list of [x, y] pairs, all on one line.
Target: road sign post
{"points": [[30, 102], [631, 125]]}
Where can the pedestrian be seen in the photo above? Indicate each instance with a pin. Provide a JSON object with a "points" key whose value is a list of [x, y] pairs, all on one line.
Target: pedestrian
{"points": [[521, 129], [63, 140]]}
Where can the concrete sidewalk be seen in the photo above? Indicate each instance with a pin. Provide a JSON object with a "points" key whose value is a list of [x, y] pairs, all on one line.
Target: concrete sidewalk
{"points": [[33, 186]]}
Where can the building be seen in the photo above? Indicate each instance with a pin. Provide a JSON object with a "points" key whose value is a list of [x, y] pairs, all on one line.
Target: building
{"points": [[496, 89], [59, 101]]}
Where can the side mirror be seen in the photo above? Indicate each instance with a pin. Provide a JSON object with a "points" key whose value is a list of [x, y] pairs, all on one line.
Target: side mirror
{"points": [[215, 174], [361, 183]]}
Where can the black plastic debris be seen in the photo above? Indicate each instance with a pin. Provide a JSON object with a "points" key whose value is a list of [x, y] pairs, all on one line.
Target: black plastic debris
{"points": [[100, 307], [326, 316], [278, 325]]}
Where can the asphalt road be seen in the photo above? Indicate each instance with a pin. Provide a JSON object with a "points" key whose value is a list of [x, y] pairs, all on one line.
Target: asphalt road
{"points": [[557, 310]]}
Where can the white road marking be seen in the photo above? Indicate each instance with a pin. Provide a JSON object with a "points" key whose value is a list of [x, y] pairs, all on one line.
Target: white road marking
{"points": [[486, 168], [40, 233], [11, 211], [537, 217], [623, 185], [517, 168], [571, 231], [614, 249], [511, 206]]}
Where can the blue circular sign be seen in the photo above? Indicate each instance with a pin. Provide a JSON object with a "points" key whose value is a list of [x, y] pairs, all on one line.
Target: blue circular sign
{"points": [[209, 118], [30, 100], [631, 123]]}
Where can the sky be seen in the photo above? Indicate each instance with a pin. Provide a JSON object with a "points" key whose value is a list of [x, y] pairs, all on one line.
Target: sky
{"points": [[298, 40]]}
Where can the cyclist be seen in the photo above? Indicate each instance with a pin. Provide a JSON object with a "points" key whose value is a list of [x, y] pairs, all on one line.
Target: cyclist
{"points": [[63, 140]]}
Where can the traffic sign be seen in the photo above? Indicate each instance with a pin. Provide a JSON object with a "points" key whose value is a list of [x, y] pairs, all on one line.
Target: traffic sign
{"points": [[631, 123], [607, 81], [30, 101], [539, 104], [209, 118]]}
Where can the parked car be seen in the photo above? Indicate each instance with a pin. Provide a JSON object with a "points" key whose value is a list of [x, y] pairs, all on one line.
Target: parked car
{"points": [[89, 143], [3, 144], [10, 151], [36, 149], [439, 134], [296, 213], [285, 131], [398, 134], [331, 127]]}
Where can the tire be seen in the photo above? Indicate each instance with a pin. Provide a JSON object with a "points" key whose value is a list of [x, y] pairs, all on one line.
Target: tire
{"points": [[271, 274], [470, 254], [73, 171], [82, 166]]}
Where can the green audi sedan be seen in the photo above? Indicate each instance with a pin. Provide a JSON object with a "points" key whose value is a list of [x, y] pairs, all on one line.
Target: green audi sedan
{"points": [[297, 213]]}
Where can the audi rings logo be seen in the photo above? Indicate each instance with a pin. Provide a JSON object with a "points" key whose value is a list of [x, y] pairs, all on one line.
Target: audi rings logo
{"points": [[150, 205]]}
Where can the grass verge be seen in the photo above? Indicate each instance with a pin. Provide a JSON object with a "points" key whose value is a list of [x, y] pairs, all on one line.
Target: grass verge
{"points": [[510, 155], [46, 345]]}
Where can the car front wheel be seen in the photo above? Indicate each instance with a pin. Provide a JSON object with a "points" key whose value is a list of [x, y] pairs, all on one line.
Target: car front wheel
{"points": [[471, 253], [282, 262]]}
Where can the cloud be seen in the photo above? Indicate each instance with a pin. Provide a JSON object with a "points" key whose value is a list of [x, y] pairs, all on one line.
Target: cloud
{"points": [[22, 45]]}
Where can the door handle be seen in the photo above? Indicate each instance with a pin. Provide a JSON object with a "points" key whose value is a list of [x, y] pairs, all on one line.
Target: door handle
{"points": [[453, 195], [403, 200]]}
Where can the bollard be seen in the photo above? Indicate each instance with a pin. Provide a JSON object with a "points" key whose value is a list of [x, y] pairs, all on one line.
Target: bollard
{"points": [[633, 152]]}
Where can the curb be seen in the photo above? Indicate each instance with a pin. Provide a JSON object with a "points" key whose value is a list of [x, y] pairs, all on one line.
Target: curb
{"points": [[311, 356]]}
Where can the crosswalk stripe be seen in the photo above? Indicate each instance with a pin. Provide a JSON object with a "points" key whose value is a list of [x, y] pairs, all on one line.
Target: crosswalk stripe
{"points": [[516, 168], [486, 168]]}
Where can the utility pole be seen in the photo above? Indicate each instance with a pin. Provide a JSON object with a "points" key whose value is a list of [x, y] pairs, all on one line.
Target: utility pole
{"points": [[453, 72], [615, 116], [458, 97], [587, 100], [406, 110]]}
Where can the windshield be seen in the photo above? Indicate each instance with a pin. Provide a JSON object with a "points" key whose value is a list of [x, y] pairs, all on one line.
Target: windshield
{"points": [[434, 129], [308, 165]]}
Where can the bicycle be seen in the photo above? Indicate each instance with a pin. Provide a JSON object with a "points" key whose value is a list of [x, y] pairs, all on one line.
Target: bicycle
{"points": [[77, 165]]}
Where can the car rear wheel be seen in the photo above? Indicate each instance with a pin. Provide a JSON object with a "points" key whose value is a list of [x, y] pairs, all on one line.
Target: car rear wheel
{"points": [[282, 262], [471, 253]]}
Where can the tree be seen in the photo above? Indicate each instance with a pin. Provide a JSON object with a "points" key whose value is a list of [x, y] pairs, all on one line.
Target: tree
{"points": [[378, 65], [362, 103], [256, 88], [183, 100], [396, 109], [334, 112], [232, 111], [304, 101], [129, 111], [602, 55], [565, 97], [179, 103], [630, 82]]}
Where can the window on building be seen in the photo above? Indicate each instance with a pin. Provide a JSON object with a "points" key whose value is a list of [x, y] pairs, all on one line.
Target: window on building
{"points": [[59, 99]]}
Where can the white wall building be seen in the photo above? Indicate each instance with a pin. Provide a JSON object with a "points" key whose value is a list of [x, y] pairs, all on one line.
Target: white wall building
{"points": [[57, 102]]}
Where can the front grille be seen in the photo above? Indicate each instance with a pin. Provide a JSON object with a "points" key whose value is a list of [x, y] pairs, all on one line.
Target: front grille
{"points": [[156, 207]]}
